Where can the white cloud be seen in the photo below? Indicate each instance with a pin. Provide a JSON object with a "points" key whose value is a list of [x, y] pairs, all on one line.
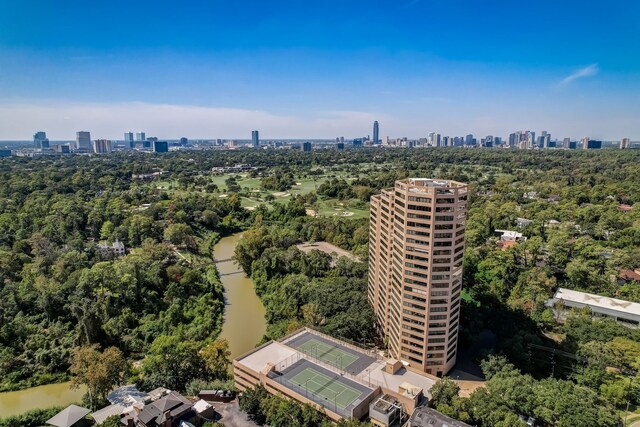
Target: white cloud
{"points": [[62, 119], [589, 70]]}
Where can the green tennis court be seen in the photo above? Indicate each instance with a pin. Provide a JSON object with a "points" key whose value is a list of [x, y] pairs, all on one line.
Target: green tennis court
{"points": [[327, 353], [322, 386]]}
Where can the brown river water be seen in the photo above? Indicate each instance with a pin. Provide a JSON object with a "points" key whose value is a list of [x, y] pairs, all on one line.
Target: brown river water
{"points": [[244, 325]]}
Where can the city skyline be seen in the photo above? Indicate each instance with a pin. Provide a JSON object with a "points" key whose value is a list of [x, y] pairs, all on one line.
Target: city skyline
{"points": [[295, 74]]}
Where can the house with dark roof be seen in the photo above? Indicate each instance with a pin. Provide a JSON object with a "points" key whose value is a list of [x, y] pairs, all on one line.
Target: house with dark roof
{"points": [[167, 411], [427, 417], [626, 276], [71, 416]]}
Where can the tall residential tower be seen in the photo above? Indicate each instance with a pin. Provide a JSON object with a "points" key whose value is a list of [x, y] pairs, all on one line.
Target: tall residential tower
{"points": [[416, 246]]}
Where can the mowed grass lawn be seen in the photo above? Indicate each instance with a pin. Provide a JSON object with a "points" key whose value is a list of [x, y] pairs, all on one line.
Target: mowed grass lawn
{"points": [[256, 196]]}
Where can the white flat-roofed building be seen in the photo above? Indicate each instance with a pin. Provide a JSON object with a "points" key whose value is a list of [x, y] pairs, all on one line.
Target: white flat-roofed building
{"points": [[625, 312]]}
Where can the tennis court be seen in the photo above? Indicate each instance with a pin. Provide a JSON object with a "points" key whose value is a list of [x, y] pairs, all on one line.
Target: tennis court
{"points": [[337, 355], [329, 389], [327, 353], [324, 387]]}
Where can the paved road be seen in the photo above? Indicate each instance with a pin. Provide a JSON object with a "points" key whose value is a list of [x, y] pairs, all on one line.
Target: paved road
{"points": [[231, 416]]}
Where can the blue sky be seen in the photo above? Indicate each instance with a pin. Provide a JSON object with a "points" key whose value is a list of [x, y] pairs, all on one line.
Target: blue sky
{"points": [[319, 69]]}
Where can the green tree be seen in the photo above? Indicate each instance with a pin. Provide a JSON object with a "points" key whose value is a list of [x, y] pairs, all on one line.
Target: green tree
{"points": [[217, 358], [99, 371], [172, 362], [443, 392]]}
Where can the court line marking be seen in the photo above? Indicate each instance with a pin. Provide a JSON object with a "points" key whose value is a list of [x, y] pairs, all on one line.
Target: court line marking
{"points": [[326, 349], [329, 382]]}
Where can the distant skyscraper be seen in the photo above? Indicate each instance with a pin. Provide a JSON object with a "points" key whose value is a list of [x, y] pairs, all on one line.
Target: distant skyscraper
{"points": [[340, 146], [306, 147], [184, 141], [376, 132], [128, 140], [255, 138], [488, 141], [531, 139], [468, 140], [624, 143], [83, 142], [437, 139], [101, 146], [566, 142], [140, 136], [160, 146], [585, 143], [40, 140]]}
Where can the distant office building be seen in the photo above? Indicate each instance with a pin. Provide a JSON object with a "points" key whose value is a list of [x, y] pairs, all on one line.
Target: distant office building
{"points": [[546, 138], [376, 133], [572, 145], [488, 141], [160, 146], [102, 146], [497, 140], [306, 147], [5, 153], [83, 142], [62, 149], [40, 140], [624, 143], [437, 140], [184, 141], [468, 140], [593, 144], [340, 146], [528, 139], [255, 138], [140, 136], [148, 143], [358, 142], [129, 142]]}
